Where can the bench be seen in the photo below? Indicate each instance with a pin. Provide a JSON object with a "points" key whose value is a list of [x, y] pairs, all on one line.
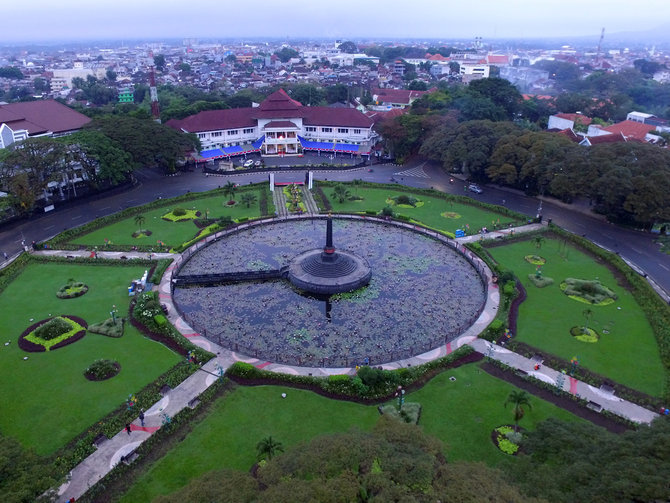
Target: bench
{"points": [[594, 406], [129, 458], [194, 403], [165, 389], [99, 440]]}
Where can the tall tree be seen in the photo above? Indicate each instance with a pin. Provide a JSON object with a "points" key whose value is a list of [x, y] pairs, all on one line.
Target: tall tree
{"points": [[518, 400]]}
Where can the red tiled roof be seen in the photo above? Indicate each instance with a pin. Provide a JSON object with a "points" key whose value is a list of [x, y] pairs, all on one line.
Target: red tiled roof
{"points": [[606, 138], [402, 96], [377, 116], [576, 118], [215, 120], [497, 59], [280, 124], [279, 100], [571, 135], [631, 129], [46, 115], [436, 57], [536, 96], [327, 116]]}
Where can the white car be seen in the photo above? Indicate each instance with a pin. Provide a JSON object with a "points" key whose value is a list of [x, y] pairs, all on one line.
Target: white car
{"points": [[473, 187], [249, 163]]}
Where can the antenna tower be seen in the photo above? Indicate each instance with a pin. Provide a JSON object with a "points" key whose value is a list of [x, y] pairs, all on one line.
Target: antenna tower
{"points": [[600, 43]]}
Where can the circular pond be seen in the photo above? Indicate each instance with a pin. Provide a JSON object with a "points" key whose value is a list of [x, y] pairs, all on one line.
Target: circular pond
{"points": [[422, 295]]}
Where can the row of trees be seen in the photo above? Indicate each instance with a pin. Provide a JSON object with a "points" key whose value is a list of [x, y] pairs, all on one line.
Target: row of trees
{"points": [[106, 151]]}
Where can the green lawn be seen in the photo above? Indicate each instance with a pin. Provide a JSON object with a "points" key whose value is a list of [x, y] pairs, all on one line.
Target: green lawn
{"points": [[628, 354], [228, 435], [429, 213], [170, 233], [46, 401]]}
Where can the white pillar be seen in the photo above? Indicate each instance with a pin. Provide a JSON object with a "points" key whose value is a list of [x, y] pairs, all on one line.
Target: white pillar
{"points": [[310, 180], [272, 182]]}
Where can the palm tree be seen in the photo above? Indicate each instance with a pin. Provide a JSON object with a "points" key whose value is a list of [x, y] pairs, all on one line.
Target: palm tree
{"points": [[248, 198], [229, 190], [139, 221], [518, 399], [538, 240], [588, 314], [357, 182], [268, 447], [340, 192]]}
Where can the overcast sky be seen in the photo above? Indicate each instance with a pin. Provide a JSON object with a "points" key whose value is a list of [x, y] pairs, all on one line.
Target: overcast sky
{"points": [[69, 20]]}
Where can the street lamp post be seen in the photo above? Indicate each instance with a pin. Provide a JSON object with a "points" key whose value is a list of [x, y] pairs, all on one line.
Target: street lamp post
{"points": [[401, 397]]}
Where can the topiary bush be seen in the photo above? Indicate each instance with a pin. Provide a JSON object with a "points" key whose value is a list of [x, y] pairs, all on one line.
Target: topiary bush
{"points": [[589, 291], [52, 329], [179, 212], [71, 290]]}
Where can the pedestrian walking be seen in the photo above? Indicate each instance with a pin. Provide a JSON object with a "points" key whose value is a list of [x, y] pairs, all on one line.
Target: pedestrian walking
{"points": [[128, 428], [5, 256], [141, 417]]}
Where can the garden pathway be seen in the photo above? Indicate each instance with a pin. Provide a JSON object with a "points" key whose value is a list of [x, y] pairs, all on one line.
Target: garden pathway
{"points": [[279, 201], [111, 451]]}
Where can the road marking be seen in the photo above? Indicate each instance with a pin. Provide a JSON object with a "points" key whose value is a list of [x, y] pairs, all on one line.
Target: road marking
{"points": [[50, 227], [105, 208], [130, 200], [78, 216], [664, 267]]}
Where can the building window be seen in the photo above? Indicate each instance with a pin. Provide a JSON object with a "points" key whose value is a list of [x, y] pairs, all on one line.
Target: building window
{"points": [[310, 129], [326, 129], [201, 135], [357, 131], [248, 131], [216, 134], [343, 130], [233, 132]]}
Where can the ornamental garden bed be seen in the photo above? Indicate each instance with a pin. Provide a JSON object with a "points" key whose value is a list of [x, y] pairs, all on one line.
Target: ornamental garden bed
{"points": [[101, 370], [72, 290], [52, 333]]}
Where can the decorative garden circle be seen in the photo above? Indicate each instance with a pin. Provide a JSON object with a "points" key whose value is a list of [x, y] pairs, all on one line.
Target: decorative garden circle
{"points": [[500, 438], [535, 259], [52, 333], [71, 290], [230, 203], [450, 214], [588, 291], [588, 335], [142, 234], [101, 370], [422, 295]]}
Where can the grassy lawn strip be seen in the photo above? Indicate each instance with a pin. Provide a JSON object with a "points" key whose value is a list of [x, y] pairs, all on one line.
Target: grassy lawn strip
{"points": [[429, 211], [627, 341], [227, 437], [46, 399]]}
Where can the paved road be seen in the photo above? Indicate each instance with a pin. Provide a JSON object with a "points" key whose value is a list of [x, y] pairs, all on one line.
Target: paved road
{"points": [[637, 247]]}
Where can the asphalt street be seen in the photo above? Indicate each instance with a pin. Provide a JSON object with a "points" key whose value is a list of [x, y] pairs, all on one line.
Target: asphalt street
{"points": [[635, 246]]}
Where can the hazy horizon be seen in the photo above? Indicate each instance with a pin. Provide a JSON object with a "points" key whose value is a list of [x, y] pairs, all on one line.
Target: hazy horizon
{"points": [[41, 21]]}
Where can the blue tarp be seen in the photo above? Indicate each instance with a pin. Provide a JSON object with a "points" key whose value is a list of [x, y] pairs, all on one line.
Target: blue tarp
{"points": [[316, 145], [233, 150], [346, 147], [212, 154], [257, 144]]}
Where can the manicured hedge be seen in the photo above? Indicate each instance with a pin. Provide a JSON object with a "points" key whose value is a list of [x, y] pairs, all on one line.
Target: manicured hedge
{"points": [[353, 388]]}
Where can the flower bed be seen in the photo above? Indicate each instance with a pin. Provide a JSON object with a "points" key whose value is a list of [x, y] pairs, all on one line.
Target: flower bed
{"points": [[71, 290], [101, 370], [588, 291], [588, 335], [109, 327], [181, 215], [535, 259], [52, 333], [143, 233], [503, 438]]}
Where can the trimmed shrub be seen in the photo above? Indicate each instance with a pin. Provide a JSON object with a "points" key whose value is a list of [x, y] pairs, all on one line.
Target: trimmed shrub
{"points": [[108, 327], [101, 370], [52, 329], [179, 212]]}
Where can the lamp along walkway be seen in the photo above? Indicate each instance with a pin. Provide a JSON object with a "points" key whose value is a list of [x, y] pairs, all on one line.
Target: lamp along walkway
{"points": [[122, 446]]}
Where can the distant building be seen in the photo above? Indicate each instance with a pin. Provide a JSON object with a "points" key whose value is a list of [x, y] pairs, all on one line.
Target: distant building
{"points": [[63, 77], [28, 119], [563, 121], [474, 71], [126, 96], [279, 126], [387, 99]]}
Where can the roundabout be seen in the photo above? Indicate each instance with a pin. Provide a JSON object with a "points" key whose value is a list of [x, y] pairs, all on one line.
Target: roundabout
{"points": [[423, 293]]}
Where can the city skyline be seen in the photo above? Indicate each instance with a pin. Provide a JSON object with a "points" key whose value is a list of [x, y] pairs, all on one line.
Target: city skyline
{"points": [[75, 20]]}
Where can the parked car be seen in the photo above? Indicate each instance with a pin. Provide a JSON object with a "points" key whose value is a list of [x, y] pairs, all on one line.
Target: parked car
{"points": [[473, 187], [249, 163], [257, 164]]}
